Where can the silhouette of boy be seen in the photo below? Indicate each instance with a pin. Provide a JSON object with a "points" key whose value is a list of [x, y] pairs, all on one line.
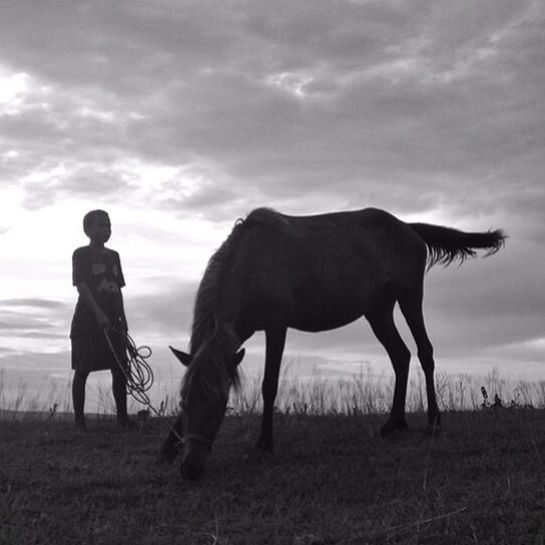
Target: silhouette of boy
{"points": [[98, 277]]}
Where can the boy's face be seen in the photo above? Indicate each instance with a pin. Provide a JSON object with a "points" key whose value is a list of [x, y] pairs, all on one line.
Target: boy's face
{"points": [[100, 229]]}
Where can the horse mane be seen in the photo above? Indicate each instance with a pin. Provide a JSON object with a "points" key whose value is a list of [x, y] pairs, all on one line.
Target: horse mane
{"points": [[208, 312], [212, 335]]}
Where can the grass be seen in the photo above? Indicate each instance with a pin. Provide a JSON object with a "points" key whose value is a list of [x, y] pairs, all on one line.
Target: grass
{"points": [[331, 480]]}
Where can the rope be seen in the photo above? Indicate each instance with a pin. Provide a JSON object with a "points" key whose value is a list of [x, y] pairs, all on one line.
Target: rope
{"points": [[138, 373]]}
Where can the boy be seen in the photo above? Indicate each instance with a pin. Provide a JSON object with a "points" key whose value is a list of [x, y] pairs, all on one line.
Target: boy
{"points": [[98, 277]]}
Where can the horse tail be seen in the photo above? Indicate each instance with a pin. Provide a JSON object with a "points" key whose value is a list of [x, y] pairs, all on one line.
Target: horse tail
{"points": [[446, 245]]}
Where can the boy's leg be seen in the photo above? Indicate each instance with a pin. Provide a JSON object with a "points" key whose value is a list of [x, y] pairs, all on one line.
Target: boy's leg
{"points": [[78, 396], [119, 387]]}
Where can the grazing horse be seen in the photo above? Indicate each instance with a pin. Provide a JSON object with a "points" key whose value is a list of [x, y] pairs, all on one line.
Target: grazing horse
{"points": [[312, 273]]}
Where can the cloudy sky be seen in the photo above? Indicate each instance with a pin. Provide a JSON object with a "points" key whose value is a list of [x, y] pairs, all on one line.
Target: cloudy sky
{"points": [[180, 116]]}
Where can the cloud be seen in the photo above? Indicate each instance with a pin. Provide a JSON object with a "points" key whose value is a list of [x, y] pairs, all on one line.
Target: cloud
{"points": [[20, 322], [168, 312], [33, 303], [388, 95], [28, 324]]}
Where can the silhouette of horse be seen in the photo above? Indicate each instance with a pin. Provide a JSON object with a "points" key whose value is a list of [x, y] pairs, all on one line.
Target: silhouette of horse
{"points": [[312, 273]]}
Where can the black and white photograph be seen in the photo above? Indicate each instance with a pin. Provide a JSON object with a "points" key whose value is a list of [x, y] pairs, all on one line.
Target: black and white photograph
{"points": [[273, 272]]}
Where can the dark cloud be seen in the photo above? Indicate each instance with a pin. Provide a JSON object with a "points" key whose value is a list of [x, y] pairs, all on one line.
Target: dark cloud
{"points": [[34, 366], [395, 96], [36, 303], [19, 322], [17, 329], [91, 182], [26, 323]]}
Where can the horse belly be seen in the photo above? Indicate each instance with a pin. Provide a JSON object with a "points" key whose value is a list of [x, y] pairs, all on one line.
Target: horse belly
{"points": [[321, 315]]}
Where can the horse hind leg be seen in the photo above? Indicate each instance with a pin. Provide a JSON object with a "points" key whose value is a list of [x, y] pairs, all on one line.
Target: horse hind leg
{"points": [[381, 319], [411, 307]]}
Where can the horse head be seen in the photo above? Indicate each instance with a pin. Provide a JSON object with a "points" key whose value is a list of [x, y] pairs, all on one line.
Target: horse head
{"points": [[205, 392]]}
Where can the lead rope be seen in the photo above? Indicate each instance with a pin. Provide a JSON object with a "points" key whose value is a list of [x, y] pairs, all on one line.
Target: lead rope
{"points": [[138, 373]]}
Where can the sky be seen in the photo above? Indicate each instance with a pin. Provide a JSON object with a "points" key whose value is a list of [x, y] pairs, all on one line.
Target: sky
{"points": [[178, 117]]}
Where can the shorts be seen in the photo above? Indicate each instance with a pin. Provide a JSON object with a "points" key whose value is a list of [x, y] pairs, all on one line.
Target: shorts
{"points": [[92, 352]]}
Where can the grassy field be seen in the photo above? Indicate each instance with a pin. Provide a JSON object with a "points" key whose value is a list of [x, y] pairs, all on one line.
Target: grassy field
{"points": [[362, 393], [330, 481]]}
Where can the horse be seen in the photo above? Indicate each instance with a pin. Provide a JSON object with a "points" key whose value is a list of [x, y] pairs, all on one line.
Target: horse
{"points": [[312, 273]]}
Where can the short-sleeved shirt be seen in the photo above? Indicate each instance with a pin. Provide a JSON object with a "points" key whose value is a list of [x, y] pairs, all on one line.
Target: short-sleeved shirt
{"points": [[101, 271]]}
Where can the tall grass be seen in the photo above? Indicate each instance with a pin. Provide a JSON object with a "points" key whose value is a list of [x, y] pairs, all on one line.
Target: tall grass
{"points": [[364, 393], [52, 396]]}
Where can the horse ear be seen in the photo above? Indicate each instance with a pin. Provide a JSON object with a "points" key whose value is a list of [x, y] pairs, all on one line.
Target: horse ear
{"points": [[182, 356], [238, 357]]}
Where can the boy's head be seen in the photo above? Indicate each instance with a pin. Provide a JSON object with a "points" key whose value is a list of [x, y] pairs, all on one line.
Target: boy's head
{"points": [[96, 225]]}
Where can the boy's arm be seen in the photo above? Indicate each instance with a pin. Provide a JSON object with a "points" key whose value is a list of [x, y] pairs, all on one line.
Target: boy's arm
{"points": [[89, 300]]}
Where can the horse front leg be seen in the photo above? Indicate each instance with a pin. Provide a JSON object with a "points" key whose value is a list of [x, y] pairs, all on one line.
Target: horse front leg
{"points": [[275, 341]]}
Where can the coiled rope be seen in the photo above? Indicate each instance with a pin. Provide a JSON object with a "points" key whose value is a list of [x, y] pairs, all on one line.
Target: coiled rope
{"points": [[137, 372]]}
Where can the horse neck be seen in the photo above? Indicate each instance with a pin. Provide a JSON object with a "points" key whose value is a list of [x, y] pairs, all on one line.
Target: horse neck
{"points": [[214, 322]]}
